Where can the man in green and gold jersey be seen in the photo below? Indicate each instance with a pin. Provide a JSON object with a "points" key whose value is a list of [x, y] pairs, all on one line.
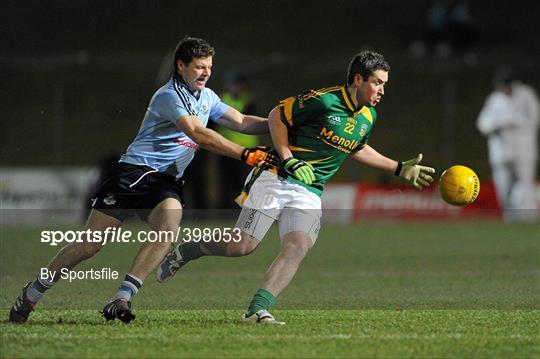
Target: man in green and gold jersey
{"points": [[313, 133]]}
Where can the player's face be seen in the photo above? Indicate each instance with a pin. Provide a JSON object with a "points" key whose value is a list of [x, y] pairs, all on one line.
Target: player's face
{"points": [[196, 73], [371, 91]]}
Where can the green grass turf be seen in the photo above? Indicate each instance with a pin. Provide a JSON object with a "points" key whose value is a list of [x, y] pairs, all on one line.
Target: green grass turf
{"points": [[308, 333], [434, 289]]}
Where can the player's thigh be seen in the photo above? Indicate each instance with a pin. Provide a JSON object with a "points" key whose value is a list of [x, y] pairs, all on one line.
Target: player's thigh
{"points": [[166, 216], [253, 224], [306, 221], [99, 221]]}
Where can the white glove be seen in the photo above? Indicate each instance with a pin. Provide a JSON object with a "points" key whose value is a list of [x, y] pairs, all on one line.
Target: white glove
{"points": [[415, 174]]}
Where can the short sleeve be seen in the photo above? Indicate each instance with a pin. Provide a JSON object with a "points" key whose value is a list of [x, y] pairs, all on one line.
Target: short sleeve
{"points": [[365, 139], [217, 107], [298, 109], [373, 115]]}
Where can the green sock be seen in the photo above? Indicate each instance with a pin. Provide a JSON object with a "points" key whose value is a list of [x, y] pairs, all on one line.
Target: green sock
{"points": [[263, 299], [191, 251]]}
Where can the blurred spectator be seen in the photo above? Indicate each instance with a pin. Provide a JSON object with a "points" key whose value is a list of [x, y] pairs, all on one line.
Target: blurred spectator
{"points": [[449, 28], [510, 119], [238, 95]]}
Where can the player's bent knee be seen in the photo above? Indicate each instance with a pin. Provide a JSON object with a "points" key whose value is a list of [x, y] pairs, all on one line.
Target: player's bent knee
{"points": [[250, 243], [296, 244], [239, 250], [300, 249], [247, 249], [235, 250], [243, 247]]}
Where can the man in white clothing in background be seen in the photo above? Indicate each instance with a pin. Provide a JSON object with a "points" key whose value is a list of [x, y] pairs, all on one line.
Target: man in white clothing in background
{"points": [[510, 119]]}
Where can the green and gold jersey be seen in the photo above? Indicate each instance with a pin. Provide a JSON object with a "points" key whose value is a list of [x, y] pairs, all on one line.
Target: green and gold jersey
{"points": [[324, 129]]}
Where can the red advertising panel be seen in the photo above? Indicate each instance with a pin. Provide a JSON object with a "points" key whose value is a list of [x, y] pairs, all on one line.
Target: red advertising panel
{"points": [[404, 202]]}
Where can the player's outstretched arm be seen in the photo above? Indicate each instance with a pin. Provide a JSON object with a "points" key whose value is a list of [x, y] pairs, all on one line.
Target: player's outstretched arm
{"points": [[212, 141], [236, 121], [417, 175]]}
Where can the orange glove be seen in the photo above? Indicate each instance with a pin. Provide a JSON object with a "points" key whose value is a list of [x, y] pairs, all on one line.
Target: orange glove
{"points": [[260, 156]]}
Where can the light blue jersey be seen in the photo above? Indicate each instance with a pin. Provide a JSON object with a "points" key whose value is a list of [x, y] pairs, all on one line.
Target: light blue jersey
{"points": [[160, 144]]}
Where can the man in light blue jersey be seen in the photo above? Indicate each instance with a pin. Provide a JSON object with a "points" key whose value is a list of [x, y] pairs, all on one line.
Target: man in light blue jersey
{"points": [[147, 179]]}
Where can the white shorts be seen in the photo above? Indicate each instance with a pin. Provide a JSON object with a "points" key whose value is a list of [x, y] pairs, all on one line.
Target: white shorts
{"points": [[269, 198]]}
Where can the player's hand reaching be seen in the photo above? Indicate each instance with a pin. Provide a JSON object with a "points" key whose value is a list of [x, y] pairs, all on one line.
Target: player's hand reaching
{"points": [[299, 169], [411, 171], [260, 156]]}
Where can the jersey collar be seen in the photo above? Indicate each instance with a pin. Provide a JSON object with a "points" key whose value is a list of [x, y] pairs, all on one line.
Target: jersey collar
{"points": [[348, 100], [363, 110], [180, 80]]}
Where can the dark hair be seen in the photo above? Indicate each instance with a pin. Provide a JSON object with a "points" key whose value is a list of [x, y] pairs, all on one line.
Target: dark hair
{"points": [[504, 76], [365, 63], [189, 48]]}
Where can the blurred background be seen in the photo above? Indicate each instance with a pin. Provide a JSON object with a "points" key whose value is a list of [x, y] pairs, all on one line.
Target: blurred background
{"points": [[77, 75]]}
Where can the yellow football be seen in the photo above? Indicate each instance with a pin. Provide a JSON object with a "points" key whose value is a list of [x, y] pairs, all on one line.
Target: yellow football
{"points": [[459, 185]]}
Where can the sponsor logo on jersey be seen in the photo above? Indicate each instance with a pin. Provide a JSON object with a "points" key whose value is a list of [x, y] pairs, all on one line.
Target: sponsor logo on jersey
{"points": [[334, 120], [185, 143], [352, 120], [335, 140], [363, 130]]}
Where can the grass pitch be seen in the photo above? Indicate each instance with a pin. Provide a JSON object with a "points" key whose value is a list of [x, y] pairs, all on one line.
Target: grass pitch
{"points": [[454, 289]]}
